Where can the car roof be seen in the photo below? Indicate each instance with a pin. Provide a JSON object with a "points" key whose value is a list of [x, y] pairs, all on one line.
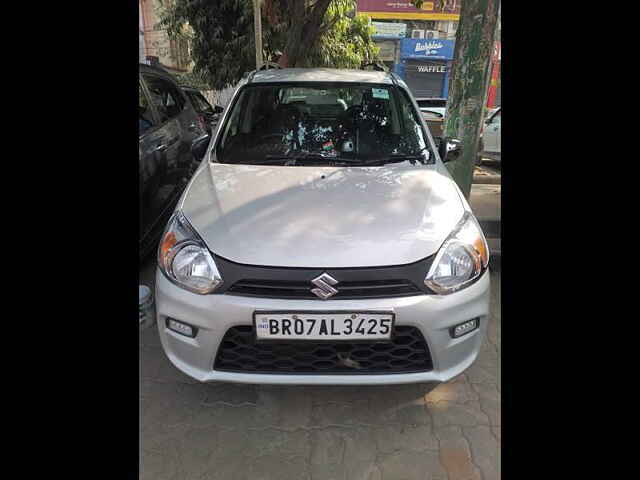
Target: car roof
{"points": [[143, 67], [320, 75]]}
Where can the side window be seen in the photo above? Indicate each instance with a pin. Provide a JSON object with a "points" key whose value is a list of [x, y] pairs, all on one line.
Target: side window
{"points": [[165, 97], [497, 118], [145, 115]]}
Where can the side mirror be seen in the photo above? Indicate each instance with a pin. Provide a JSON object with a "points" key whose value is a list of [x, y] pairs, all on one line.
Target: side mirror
{"points": [[199, 147], [450, 149]]}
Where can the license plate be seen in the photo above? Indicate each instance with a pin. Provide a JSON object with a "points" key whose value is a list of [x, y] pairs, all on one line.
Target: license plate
{"points": [[324, 325]]}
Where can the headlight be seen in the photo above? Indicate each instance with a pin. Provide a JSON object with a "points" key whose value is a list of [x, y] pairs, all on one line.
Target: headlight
{"points": [[461, 259], [185, 259]]}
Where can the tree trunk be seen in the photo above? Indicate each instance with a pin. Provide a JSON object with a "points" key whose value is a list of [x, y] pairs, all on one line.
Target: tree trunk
{"points": [[257, 30], [304, 29], [468, 85]]}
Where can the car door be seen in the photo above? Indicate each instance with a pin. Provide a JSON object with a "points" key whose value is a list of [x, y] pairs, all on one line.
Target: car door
{"points": [[170, 142], [150, 161], [491, 134]]}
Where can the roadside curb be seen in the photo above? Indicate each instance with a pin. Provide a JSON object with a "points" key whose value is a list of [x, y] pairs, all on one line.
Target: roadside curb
{"points": [[486, 180], [483, 175]]}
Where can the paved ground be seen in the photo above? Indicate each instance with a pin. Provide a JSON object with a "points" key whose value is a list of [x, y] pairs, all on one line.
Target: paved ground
{"points": [[489, 172], [485, 191], [485, 200], [225, 431]]}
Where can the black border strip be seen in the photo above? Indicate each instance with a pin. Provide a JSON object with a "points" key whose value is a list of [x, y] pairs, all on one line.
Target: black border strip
{"points": [[321, 312], [233, 272]]}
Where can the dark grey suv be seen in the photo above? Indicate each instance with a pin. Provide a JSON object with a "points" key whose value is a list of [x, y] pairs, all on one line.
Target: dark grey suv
{"points": [[209, 115], [168, 125]]}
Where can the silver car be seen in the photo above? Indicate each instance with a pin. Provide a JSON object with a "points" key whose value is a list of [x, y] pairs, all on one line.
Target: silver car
{"points": [[322, 241]]}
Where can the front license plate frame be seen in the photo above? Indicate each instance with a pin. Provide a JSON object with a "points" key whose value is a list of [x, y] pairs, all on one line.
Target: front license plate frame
{"points": [[258, 339]]}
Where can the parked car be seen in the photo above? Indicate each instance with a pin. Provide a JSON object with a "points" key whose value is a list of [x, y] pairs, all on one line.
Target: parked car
{"points": [[438, 105], [168, 125], [318, 244], [490, 138], [434, 120], [433, 111], [208, 114]]}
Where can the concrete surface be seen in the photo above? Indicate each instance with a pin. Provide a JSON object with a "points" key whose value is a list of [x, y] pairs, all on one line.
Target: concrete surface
{"points": [[486, 203], [488, 174], [194, 431]]}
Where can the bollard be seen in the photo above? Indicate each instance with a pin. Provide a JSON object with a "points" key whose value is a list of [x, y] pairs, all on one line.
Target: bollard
{"points": [[146, 307]]}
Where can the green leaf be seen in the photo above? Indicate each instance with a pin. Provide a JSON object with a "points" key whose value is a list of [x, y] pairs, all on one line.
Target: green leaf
{"points": [[220, 34]]}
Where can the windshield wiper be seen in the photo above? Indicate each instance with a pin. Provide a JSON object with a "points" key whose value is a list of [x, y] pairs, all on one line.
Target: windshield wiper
{"points": [[293, 159], [392, 159]]}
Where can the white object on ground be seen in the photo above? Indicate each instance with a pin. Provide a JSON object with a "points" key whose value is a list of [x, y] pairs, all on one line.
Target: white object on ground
{"points": [[146, 306]]}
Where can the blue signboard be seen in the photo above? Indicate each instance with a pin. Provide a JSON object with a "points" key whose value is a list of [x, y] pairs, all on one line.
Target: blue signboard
{"points": [[427, 48]]}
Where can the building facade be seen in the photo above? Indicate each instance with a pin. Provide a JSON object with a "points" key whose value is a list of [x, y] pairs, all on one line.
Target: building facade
{"points": [[141, 47], [155, 44], [416, 43], [426, 65], [387, 37]]}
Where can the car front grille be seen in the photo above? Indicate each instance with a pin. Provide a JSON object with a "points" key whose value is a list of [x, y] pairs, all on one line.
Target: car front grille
{"points": [[302, 289], [407, 352], [297, 283]]}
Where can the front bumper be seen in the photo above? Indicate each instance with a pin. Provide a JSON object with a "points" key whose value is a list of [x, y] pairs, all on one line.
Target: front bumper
{"points": [[213, 315]]}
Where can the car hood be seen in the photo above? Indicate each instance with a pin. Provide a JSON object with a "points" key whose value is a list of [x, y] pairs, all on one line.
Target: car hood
{"points": [[322, 217]]}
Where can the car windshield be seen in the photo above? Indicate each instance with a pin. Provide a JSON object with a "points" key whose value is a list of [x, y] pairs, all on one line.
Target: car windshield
{"points": [[322, 123], [199, 102]]}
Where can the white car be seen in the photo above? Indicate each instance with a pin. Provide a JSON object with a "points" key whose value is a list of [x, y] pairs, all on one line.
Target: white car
{"points": [[490, 141], [440, 111], [318, 245]]}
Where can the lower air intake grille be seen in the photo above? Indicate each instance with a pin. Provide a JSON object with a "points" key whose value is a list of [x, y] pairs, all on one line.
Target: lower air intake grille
{"points": [[406, 353]]}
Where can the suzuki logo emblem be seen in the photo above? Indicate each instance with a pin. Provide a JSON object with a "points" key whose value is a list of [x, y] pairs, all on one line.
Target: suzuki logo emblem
{"points": [[324, 282]]}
